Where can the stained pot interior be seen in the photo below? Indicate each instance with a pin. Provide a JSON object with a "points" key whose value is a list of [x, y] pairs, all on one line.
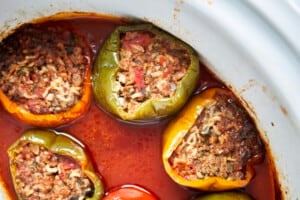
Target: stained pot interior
{"points": [[255, 54]]}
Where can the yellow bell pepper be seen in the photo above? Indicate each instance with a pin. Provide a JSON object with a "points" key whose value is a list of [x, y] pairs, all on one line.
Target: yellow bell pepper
{"points": [[177, 129]]}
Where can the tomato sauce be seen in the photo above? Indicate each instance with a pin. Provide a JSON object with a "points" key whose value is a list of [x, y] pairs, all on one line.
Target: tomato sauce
{"points": [[124, 153]]}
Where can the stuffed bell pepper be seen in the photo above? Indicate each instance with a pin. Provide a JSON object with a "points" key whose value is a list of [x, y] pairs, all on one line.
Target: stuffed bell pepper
{"points": [[49, 165], [231, 195], [45, 74], [142, 73], [212, 144]]}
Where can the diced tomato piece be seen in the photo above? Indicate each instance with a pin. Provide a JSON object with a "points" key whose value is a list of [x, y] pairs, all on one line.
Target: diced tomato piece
{"points": [[38, 91], [161, 60], [136, 38], [139, 78], [67, 164]]}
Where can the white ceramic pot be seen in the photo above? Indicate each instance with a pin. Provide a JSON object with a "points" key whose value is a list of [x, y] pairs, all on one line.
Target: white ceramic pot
{"points": [[253, 46]]}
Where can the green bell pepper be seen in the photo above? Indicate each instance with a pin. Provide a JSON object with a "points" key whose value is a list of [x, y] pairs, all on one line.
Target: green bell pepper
{"points": [[107, 66], [59, 144], [232, 195]]}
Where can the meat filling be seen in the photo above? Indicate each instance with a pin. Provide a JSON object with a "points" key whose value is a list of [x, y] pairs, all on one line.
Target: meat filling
{"points": [[219, 144], [42, 174], [150, 68], [43, 68]]}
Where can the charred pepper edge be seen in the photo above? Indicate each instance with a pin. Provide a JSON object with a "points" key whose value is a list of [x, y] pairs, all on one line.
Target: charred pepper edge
{"points": [[174, 133], [62, 144], [107, 65], [51, 120]]}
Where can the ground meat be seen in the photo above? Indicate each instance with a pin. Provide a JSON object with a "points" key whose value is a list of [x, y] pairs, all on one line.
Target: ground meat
{"points": [[43, 68], [150, 68], [42, 174], [219, 144]]}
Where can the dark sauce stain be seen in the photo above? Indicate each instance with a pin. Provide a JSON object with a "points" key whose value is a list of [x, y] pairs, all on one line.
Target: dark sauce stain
{"points": [[284, 110]]}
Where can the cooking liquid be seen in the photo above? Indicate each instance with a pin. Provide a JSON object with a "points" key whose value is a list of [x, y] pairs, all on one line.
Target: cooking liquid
{"points": [[124, 153]]}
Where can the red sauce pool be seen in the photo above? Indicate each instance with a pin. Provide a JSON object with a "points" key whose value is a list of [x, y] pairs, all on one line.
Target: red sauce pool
{"points": [[124, 153]]}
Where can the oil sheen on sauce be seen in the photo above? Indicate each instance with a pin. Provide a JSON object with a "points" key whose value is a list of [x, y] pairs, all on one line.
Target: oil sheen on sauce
{"points": [[124, 153]]}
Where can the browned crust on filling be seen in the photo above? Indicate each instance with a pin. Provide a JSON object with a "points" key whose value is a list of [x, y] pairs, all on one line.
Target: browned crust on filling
{"points": [[43, 68], [150, 68], [42, 174], [219, 144]]}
